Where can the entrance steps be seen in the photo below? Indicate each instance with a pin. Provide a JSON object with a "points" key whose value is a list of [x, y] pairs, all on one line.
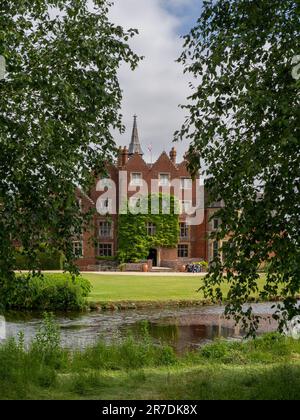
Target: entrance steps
{"points": [[161, 270]]}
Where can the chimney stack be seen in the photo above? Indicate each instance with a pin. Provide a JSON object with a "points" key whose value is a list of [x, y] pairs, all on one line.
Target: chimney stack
{"points": [[120, 152], [173, 155], [124, 156]]}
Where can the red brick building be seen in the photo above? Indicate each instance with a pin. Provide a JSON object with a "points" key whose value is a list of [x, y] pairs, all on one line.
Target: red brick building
{"points": [[102, 243]]}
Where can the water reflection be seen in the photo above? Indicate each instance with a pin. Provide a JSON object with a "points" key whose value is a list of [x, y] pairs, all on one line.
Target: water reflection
{"points": [[183, 337], [183, 328]]}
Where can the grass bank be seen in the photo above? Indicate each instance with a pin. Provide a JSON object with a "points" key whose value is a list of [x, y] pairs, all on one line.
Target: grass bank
{"points": [[56, 291], [265, 368], [126, 291]]}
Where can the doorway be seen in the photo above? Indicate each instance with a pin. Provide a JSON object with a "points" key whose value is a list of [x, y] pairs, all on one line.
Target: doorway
{"points": [[153, 256]]}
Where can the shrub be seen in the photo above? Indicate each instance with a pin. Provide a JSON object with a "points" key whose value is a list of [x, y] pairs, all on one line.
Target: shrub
{"points": [[215, 351], [47, 339], [128, 354], [59, 292]]}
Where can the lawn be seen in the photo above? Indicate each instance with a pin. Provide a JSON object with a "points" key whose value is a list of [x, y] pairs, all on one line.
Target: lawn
{"points": [[146, 288], [114, 288]]}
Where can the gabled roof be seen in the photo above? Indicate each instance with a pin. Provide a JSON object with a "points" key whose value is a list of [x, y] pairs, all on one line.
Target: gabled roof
{"points": [[136, 161], [164, 159], [183, 164]]}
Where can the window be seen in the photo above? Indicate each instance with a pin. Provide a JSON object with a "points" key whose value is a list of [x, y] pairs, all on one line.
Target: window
{"points": [[184, 230], [105, 250], [136, 179], [185, 206], [78, 249], [186, 183], [216, 224], [164, 180], [105, 229], [134, 202], [215, 249], [105, 205], [224, 249], [183, 251], [151, 229]]}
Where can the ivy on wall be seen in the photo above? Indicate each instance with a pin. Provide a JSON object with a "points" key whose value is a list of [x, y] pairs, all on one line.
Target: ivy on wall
{"points": [[134, 240]]}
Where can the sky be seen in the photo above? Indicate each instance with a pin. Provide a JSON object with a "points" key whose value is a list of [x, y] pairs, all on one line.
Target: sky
{"points": [[154, 90]]}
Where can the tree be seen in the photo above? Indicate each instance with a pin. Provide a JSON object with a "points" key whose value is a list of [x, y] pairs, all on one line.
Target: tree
{"points": [[58, 104], [243, 121]]}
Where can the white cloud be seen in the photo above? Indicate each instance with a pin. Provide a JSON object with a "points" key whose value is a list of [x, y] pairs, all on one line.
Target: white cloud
{"points": [[158, 86]]}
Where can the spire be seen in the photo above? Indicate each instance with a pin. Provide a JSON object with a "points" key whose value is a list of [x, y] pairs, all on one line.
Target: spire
{"points": [[135, 146]]}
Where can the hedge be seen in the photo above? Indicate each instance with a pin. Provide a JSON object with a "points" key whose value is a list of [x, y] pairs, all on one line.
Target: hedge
{"points": [[59, 292]]}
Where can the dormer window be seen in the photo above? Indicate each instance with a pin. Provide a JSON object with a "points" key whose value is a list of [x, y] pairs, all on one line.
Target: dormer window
{"points": [[186, 183], [136, 179], [164, 180]]}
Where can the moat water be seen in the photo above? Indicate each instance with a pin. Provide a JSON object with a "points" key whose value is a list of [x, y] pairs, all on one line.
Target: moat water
{"points": [[183, 328]]}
